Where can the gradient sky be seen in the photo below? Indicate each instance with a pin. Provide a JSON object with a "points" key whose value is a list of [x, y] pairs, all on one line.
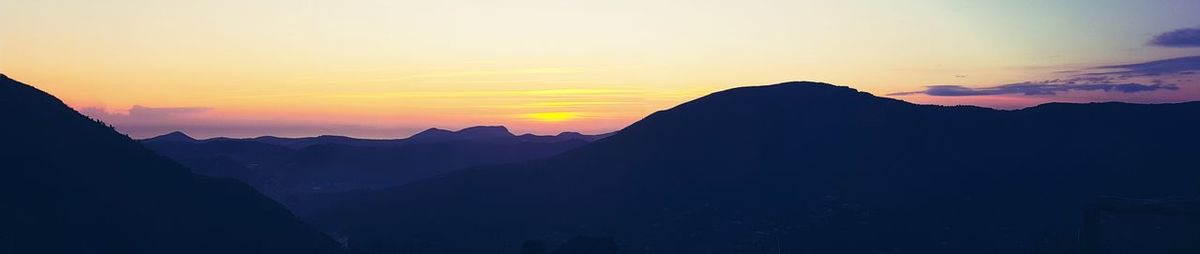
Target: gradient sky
{"points": [[391, 68]]}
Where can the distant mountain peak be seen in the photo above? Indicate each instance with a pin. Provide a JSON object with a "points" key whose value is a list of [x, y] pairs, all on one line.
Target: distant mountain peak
{"points": [[794, 95], [485, 131], [475, 132], [570, 133], [799, 87], [175, 136], [431, 133], [435, 130]]}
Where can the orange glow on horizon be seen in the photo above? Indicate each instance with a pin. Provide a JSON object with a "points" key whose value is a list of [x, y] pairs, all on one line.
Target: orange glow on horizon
{"points": [[386, 68]]}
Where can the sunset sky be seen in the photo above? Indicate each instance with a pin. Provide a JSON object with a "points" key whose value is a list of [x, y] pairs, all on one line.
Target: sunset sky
{"points": [[386, 69]]}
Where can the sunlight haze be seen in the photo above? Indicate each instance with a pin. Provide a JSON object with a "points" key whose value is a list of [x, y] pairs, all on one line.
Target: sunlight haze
{"points": [[392, 68]]}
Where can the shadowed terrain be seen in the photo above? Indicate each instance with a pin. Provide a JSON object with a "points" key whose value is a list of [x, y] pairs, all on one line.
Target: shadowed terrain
{"points": [[294, 170], [73, 185], [797, 167], [807, 167]]}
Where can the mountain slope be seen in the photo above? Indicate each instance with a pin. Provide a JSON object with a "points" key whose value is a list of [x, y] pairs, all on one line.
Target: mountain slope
{"points": [[807, 168], [73, 185]]}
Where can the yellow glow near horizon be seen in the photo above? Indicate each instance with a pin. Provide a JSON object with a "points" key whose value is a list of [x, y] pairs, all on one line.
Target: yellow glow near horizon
{"points": [[457, 63], [551, 116]]}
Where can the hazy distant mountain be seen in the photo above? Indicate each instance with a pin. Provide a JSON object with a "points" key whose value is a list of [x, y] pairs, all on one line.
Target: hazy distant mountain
{"points": [[249, 161], [73, 185], [432, 135], [564, 136], [175, 136], [297, 143], [286, 167], [814, 168]]}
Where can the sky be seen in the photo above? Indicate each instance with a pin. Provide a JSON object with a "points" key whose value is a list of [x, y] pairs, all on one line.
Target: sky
{"points": [[387, 69]]}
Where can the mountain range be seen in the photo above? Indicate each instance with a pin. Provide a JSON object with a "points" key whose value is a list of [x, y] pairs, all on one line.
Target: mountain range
{"points": [[804, 167], [797, 167], [293, 170], [74, 185], [431, 135]]}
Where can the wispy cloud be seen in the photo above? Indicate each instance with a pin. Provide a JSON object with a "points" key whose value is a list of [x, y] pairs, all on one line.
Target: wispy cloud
{"points": [[1124, 78], [485, 73], [143, 114], [1185, 37], [1036, 88], [494, 93], [1182, 65], [566, 104], [144, 122]]}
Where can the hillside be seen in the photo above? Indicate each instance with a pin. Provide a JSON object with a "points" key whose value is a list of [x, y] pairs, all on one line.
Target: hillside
{"points": [[808, 167], [73, 185]]}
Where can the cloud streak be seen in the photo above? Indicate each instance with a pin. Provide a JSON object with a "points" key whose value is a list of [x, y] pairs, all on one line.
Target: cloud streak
{"points": [[144, 122], [1123, 78], [1186, 37], [141, 114], [1037, 88], [1182, 65]]}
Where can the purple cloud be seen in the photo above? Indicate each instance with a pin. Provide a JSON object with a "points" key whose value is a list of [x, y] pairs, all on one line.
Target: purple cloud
{"points": [[148, 112], [144, 122], [1186, 37], [1182, 65], [1038, 88], [142, 114], [1124, 78]]}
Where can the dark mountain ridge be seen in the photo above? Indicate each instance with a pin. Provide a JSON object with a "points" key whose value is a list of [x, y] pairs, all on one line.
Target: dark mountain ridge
{"points": [[806, 167], [294, 170], [431, 135], [74, 185], [477, 132], [175, 136]]}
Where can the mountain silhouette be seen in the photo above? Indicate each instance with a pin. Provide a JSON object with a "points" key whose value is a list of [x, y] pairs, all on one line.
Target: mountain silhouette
{"points": [[175, 136], [564, 136], [432, 135], [73, 185], [298, 171], [298, 143], [246, 160], [478, 132], [805, 167]]}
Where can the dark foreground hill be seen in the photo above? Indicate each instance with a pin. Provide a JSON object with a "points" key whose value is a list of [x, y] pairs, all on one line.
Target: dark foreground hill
{"points": [[73, 185], [815, 168], [295, 169]]}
